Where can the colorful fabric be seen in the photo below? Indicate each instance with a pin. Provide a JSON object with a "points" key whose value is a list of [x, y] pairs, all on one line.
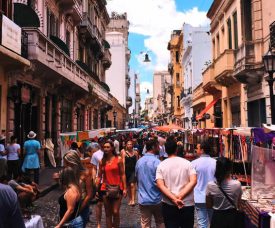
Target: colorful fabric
{"points": [[261, 136]]}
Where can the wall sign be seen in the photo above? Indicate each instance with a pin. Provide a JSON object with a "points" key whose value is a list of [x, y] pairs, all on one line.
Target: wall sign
{"points": [[11, 35]]}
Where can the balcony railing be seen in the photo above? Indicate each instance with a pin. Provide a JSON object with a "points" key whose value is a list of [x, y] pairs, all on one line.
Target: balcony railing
{"points": [[198, 92], [245, 57], [42, 50], [106, 61], [208, 75], [224, 64]]}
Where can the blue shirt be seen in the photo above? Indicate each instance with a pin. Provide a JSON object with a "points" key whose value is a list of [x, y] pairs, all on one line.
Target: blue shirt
{"points": [[10, 215], [146, 167], [205, 167], [31, 160]]}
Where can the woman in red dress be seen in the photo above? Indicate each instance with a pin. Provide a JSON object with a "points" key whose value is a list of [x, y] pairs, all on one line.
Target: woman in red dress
{"points": [[113, 187]]}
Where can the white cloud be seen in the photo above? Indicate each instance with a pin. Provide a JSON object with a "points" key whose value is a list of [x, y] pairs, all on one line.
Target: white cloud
{"points": [[156, 19]]}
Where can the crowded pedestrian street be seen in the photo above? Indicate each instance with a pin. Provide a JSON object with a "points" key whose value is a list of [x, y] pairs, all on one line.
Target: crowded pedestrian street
{"points": [[137, 113]]}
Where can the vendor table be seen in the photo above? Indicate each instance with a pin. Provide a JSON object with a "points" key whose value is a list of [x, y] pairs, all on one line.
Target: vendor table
{"points": [[254, 217]]}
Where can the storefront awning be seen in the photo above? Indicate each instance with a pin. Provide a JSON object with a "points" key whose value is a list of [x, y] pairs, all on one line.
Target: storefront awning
{"points": [[198, 117], [25, 16]]}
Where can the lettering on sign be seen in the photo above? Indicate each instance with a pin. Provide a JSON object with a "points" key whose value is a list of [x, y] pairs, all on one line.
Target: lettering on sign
{"points": [[11, 35]]}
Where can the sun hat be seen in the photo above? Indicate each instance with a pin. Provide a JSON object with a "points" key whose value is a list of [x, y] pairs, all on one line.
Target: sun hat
{"points": [[31, 135]]}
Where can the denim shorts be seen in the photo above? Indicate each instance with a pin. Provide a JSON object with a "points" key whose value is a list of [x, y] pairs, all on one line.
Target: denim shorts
{"points": [[75, 223]]}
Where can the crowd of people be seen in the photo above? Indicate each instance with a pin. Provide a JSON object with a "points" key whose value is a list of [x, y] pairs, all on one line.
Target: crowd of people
{"points": [[152, 167]]}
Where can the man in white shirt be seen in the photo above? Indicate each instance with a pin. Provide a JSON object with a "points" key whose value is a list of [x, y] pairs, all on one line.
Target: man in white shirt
{"points": [[205, 167], [116, 145], [95, 160], [176, 179]]}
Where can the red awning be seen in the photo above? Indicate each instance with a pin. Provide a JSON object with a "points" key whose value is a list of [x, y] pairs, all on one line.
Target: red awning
{"points": [[198, 117]]}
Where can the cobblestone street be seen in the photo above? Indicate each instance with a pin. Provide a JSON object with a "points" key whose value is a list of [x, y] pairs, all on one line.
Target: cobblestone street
{"points": [[47, 207]]}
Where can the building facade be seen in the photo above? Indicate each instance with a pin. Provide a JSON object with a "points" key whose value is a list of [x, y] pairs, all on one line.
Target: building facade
{"points": [[117, 77], [240, 37], [12, 56], [196, 55], [175, 46], [61, 87], [162, 96]]}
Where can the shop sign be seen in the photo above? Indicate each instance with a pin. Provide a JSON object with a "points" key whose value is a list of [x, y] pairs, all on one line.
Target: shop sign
{"points": [[25, 95], [11, 35]]}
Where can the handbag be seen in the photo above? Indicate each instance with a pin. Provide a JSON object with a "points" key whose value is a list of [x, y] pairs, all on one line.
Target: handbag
{"points": [[240, 215], [112, 191]]}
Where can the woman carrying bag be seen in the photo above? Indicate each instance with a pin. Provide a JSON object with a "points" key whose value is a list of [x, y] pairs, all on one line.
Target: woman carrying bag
{"points": [[70, 200], [113, 187], [224, 195]]}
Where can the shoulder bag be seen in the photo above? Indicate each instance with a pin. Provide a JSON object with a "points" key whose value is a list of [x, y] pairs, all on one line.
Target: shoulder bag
{"points": [[112, 191], [240, 215]]}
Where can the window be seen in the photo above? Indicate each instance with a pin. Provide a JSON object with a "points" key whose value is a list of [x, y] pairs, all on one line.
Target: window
{"points": [[53, 24], [247, 10], [213, 49], [256, 111], [81, 54], [235, 22], [66, 115], [6, 7], [178, 101], [68, 39], [177, 79], [229, 30], [177, 57], [218, 45]]}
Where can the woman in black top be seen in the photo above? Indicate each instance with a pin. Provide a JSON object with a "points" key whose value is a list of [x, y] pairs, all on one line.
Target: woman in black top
{"points": [[130, 157], [69, 201]]}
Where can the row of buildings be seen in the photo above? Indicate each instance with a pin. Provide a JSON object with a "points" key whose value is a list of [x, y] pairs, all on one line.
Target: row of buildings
{"points": [[217, 73], [61, 63]]}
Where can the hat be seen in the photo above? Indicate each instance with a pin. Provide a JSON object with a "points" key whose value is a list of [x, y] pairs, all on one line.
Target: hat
{"points": [[31, 135], [268, 128]]}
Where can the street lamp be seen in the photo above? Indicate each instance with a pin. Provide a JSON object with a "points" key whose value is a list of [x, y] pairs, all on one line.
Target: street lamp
{"points": [[269, 64], [115, 115]]}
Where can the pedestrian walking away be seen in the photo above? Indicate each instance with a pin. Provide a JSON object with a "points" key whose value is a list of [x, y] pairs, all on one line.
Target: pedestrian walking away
{"points": [[13, 155], [130, 156], [149, 196], [176, 178], [217, 192], [205, 167], [111, 171], [31, 156]]}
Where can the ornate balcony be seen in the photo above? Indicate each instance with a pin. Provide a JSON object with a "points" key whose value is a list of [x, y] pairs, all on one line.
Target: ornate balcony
{"points": [[58, 66], [129, 102], [106, 61], [92, 33], [246, 69], [209, 84], [73, 8], [223, 68]]}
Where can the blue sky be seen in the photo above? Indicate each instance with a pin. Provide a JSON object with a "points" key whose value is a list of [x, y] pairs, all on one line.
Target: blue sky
{"points": [[151, 23]]}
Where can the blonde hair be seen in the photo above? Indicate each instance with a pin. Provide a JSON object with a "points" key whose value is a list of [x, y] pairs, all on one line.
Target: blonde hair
{"points": [[72, 158]]}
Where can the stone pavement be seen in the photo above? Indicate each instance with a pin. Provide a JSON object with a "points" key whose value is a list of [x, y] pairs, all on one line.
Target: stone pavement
{"points": [[48, 207]]}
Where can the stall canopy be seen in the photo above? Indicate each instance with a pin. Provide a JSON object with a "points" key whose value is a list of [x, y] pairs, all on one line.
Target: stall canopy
{"points": [[168, 128], [198, 117]]}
